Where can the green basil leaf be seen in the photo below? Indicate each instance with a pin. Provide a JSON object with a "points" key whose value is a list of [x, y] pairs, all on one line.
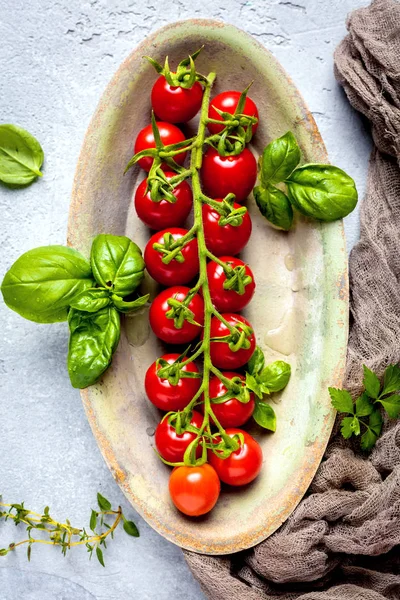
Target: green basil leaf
{"points": [[274, 205], [323, 192], [264, 415], [279, 159], [275, 376], [92, 300], [371, 383], [127, 307], [117, 263], [341, 400], [256, 362], [392, 406], [253, 385], [21, 156], [43, 282], [93, 340]]}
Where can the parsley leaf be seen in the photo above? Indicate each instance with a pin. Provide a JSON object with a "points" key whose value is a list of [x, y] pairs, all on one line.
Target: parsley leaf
{"points": [[392, 406], [364, 406], [341, 400], [391, 380], [371, 383]]}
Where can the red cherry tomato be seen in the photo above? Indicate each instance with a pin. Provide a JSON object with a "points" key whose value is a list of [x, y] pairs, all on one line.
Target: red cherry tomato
{"points": [[231, 413], [172, 445], [164, 394], [170, 134], [175, 104], [227, 102], [164, 327], [243, 465], [175, 272], [222, 175], [229, 299], [163, 214], [194, 490], [227, 239], [221, 355]]}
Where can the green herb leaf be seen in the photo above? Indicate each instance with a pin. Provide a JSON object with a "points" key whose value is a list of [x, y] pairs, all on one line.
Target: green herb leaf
{"points": [[392, 406], [264, 415], [364, 406], [391, 380], [99, 555], [274, 205], [93, 340], [253, 385], [275, 376], [256, 362], [371, 383], [347, 426], [117, 263], [279, 159], [29, 552], [93, 520], [323, 192], [368, 439], [103, 503], [21, 156], [127, 307], [43, 282], [130, 528], [92, 300], [341, 400]]}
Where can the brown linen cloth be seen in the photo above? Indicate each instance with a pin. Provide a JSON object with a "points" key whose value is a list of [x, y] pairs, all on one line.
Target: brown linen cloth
{"points": [[343, 540]]}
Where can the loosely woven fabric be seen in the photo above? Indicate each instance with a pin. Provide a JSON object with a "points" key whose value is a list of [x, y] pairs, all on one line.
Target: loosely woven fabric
{"points": [[343, 540]]}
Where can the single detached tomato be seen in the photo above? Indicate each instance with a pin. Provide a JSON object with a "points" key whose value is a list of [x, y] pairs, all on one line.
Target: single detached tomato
{"points": [[227, 102], [171, 445], [175, 104], [230, 299], [243, 465], [171, 396], [222, 175], [163, 214], [167, 328], [194, 490], [221, 355], [225, 239], [177, 271], [170, 134], [232, 412]]}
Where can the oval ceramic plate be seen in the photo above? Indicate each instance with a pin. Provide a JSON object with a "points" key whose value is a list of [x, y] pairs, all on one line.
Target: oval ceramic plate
{"points": [[299, 312]]}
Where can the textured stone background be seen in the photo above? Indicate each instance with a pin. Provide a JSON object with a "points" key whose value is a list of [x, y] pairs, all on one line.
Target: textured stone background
{"points": [[56, 58]]}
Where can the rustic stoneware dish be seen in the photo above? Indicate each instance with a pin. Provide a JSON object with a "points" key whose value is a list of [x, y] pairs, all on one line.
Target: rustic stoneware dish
{"points": [[299, 312]]}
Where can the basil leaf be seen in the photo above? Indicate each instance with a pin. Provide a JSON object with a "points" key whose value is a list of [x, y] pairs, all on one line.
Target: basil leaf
{"points": [[43, 282], [21, 156], [274, 205], [93, 340], [92, 300], [127, 307], [275, 376], [279, 159], [264, 415], [256, 362], [117, 263], [253, 385], [322, 192]]}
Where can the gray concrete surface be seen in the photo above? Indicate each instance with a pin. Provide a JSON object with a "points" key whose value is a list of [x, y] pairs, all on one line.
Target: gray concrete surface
{"points": [[57, 56]]}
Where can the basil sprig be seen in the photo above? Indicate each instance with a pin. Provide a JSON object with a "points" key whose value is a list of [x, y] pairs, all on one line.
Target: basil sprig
{"points": [[21, 156], [319, 191], [55, 283], [263, 381]]}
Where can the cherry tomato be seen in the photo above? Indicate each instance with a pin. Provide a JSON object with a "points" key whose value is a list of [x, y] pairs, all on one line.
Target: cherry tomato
{"points": [[194, 490], [231, 413], [243, 465], [164, 327], [227, 102], [226, 239], [221, 355], [175, 272], [222, 175], [172, 445], [229, 299], [170, 134], [175, 104], [164, 394], [163, 214]]}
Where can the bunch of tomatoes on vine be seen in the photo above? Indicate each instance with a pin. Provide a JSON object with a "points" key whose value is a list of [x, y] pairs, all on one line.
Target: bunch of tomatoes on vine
{"points": [[212, 387]]}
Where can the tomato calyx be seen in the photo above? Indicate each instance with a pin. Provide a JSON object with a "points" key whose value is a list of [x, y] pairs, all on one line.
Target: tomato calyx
{"points": [[236, 388], [180, 312], [238, 337], [175, 371], [236, 278], [185, 75], [171, 249], [225, 208], [224, 445]]}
